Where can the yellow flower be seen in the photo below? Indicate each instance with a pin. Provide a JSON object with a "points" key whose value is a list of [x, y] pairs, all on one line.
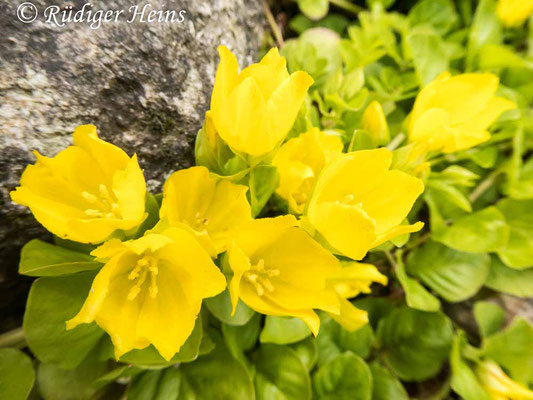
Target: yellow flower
{"points": [[207, 206], [150, 291], [299, 161], [375, 123], [254, 110], [86, 192], [353, 279], [280, 270], [514, 12], [498, 385], [453, 113], [358, 203]]}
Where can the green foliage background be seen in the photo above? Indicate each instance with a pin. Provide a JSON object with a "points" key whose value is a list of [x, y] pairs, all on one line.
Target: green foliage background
{"points": [[421, 341]]}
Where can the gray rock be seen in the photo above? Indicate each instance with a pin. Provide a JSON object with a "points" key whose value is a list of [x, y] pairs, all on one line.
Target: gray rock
{"points": [[146, 86]]}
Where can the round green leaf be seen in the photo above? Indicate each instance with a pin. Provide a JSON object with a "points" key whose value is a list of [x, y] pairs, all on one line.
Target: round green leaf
{"points": [[415, 343], [519, 250], [508, 280], [220, 307], [16, 375], [51, 302], [38, 258], [314, 9], [454, 275], [346, 377], [385, 385], [307, 351], [489, 317], [283, 330], [280, 374], [480, 232], [333, 340]]}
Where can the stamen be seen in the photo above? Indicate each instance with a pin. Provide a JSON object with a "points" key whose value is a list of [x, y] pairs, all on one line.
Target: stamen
{"points": [[91, 198], [134, 291], [91, 212], [259, 277]]}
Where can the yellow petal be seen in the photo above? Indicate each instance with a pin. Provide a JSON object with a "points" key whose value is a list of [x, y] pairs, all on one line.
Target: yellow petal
{"points": [[350, 318], [265, 306], [375, 122], [431, 128], [96, 230], [301, 261], [285, 103], [514, 12], [269, 73], [168, 319], [351, 174], [397, 231], [239, 263], [355, 278], [108, 249], [130, 189], [347, 228], [256, 235], [463, 96], [109, 157], [242, 121], [225, 79], [187, 254], [390, 202]]}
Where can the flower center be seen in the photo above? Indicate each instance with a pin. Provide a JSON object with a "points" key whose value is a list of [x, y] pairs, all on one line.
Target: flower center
{"points": [[200, 222], [259, 277], [147, 265], [103, 205]]}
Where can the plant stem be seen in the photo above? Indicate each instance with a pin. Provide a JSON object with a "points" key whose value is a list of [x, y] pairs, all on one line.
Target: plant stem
{"points": [[346, 5], [13, 338], [273, 25], [398, 139], [484, 185]]}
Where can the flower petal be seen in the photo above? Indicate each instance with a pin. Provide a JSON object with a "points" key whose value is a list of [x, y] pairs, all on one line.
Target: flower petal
{"points": [[130, 189], [347, 228], [350, 318], [225, 79], [285, 103], [390, 202]]}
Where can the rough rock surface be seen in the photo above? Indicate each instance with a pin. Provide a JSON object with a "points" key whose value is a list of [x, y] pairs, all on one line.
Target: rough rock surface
{"points": [[146, 86]]}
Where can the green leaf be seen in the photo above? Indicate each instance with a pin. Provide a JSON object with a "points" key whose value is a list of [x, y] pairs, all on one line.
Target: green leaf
{"points": [[314, 9], [489, 317], [280, 374], [216, 375], [416, 295], [440, 14], [480, 232], [508, 280], [429, 54], [385, 385], [264, 179], [519, 250], [242, 338], [333, 340], [220, 307], [16, 375], [77, 384], [150, 357], [283, 330], [493, 56], [345, 377], [377, 308], [415, 343], [307, 352], [464, 380], [512, 349], [486, 29], [454, 275], [156, 385], [38, 258], [51, 302]]}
